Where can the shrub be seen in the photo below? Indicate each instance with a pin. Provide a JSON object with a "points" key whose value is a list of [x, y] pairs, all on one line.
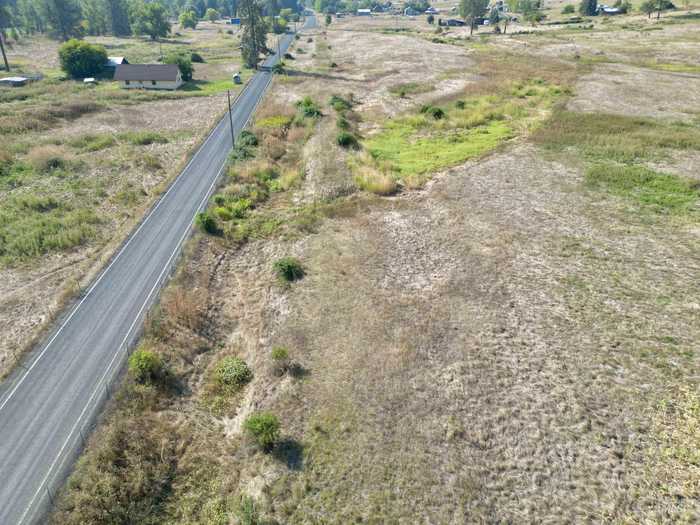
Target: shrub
{"points": [[568, 9], [288, 56], [211, 14], [183, 62], [264, 428], [223, 213], [340, 104], [232, 373], [80, 59], [246, 138], [343, 123], [46, 158], [280, 353], [196, 57], [460, 104], [207, 223], [288, 269], [436, 113], [145, 365], [308, 108], [430, 19], [188, 19], [333, 65], [143, 138], [346, 139], [278, 68]]}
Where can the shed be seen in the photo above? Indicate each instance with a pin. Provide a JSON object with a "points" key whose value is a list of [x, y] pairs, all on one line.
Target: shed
{"points": [[148, 76], [13, 81], [364, 12]]}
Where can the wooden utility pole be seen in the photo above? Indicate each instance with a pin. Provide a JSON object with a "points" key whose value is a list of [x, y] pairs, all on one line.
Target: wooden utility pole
{"points": [[230, 118], [2, 47]]}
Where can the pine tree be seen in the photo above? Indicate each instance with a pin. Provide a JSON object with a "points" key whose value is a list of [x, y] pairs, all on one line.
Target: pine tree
{"points": [[119, 17], [253, 38], [63, 17]]}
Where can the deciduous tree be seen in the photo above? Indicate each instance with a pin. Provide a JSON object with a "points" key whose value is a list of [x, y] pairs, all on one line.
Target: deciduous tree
{"points": [[151, 20], [470, 10]]}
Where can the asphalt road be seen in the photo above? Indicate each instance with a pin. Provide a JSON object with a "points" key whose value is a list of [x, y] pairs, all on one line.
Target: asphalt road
{"points": [[50, 405]]}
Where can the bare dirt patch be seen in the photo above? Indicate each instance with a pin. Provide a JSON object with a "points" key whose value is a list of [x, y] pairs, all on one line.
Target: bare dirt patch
{"points": [[624, 90]]}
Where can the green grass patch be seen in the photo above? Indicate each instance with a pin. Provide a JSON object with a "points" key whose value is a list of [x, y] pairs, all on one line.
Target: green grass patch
{"points": [[274, 122], [410, 88], [602, 136], [412, 146], [409, 150], [32, 226], [661, 192], [90, 142]]}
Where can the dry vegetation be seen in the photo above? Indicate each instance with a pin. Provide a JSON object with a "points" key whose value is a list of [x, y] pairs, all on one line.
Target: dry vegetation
{"points": [[79, 165], [515, 341]]}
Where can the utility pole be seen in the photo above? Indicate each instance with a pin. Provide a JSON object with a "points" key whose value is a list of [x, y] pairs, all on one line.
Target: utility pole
{"points": [[2, 47], [230, 118]]}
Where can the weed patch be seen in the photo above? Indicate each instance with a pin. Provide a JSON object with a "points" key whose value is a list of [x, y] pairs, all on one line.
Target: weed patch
{"points": [[32, 226], [600, 136], [662, 192]]}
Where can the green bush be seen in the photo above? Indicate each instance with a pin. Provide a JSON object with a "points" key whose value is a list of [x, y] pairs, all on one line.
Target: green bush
{"points": [[232, 373], [280, 353], [460, 104], [568, 9], [288, 269], [211, 14], [264, 428], [308, 108], [207, 223], [188, 19], [340, 104], [80, 59], [183, 62], [196, 57], [346, 139], [433, 111], [246, 138], [343, 123], [145, 365], [278, 68]]}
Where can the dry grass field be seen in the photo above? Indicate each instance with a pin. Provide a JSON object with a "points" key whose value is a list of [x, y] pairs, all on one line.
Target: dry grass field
{"points": [[498, 320], [79, 165]]}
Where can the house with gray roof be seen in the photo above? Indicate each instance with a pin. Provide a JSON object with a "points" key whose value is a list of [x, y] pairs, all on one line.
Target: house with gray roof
{"points": [[148, 76]]}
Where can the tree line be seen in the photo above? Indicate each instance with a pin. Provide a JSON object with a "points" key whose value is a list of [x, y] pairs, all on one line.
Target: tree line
{"points": [[65, 19]]}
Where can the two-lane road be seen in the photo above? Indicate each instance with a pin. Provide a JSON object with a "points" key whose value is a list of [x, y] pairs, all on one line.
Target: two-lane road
{"points": [[48, 407]]}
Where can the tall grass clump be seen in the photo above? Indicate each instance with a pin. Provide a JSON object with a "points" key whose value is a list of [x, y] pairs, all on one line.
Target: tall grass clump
{"points": [[288, 269], [264, 429], [374, 181]]}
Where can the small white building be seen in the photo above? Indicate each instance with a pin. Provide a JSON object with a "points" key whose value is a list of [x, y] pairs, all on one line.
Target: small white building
{"points": [[364, 12], [148, 76]]}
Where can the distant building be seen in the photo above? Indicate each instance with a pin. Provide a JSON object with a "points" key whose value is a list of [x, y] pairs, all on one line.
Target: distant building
{"points": [[112, 62], [13, 81], [149, 76], [364, 12]]}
